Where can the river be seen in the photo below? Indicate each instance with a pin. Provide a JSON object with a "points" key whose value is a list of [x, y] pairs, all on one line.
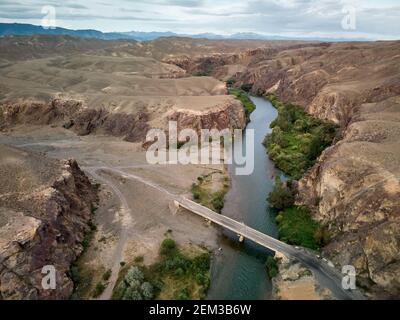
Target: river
{"points": [[238, 271]]}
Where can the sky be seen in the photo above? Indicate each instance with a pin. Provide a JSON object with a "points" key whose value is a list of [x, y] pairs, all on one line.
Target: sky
{"points": [[372, 19]]}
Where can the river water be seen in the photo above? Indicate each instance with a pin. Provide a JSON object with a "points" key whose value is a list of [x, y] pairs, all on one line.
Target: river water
{"points": [[238, 271]]}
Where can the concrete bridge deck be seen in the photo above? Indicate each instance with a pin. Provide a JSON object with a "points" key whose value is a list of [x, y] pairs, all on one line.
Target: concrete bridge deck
{"points": [[323, 271]]}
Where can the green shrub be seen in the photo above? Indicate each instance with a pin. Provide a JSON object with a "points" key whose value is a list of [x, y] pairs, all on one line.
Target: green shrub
{"points": [[98, 290], [297, 139], [182, 294], [241, 95], [272, 267], [179, 272], [82, 280], [296, 227], [201, 279], [218, 201], [132, 294], [168, 246], [282, 196], [139, 259], [107, 275], [175, 276], [134, 286], [201, 74], [322, 236], [246, 87], [134, 274], [196, 191], [147, 291], [230, 82], [214, 201], [202, 262]]}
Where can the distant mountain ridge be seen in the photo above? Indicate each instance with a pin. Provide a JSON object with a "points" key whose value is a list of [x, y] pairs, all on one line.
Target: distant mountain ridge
{"points": [[7, 29]]}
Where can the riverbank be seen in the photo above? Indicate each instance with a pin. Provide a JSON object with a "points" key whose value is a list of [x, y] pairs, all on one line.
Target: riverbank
{"points": [[296, 141], [244, 98], [210, 190], [297, 138]]}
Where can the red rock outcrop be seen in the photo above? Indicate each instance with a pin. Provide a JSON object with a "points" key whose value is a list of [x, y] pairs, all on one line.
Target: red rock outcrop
{"points": [[45, 210]]}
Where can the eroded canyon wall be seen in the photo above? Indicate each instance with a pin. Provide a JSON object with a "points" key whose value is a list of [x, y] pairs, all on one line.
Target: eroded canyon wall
{"points": [[354, 187], [45, 210]]}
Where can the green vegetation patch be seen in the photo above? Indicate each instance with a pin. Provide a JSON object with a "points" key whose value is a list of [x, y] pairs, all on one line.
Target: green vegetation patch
{"points": [[283, 195], [134, 286], [202, 74], [297, 139], [203, 194], [295, 224], [81, 275], [99, 289], [107, 275], [176, 276], [241, 95], [272, 267], [82, 279], [296, 227]]}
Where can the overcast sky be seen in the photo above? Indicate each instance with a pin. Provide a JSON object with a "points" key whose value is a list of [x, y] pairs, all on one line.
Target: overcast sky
{"points": [[376, 19]]}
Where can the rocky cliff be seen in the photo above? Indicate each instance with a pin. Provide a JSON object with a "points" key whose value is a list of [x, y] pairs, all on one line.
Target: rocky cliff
{"points": [[227, 114], [354, 188], [190, 112], [45, 210], [73, 115]]}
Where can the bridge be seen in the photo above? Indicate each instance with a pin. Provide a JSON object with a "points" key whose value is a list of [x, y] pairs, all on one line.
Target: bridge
{"points": [[325, 273], [243, 231]]}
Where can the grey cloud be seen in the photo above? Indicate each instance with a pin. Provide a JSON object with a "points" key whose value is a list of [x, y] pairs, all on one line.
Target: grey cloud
{"points": [[301, 17], [177, 3]]}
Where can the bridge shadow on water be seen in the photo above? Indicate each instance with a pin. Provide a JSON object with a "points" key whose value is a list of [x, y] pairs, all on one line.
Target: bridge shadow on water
{"points": [[247, 246]]}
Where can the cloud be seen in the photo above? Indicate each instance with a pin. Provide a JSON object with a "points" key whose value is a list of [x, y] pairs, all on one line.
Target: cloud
{"points": [[375, 18], [176, 3]]}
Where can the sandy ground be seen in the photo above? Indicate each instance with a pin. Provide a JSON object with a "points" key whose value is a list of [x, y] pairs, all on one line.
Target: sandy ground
{"points": [[295, 282], [134, 214]]}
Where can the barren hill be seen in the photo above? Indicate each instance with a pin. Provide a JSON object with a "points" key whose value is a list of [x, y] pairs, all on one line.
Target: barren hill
{"points": [[106, 87]]}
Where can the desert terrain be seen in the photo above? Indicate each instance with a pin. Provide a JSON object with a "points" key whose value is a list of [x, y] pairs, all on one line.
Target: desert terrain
{"points": [[354, 188], [94, 101], [97, 108]]}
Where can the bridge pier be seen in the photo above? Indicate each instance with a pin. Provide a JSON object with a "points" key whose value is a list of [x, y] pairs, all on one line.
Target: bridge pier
{"points": [[174, 207], [241, 238]]}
